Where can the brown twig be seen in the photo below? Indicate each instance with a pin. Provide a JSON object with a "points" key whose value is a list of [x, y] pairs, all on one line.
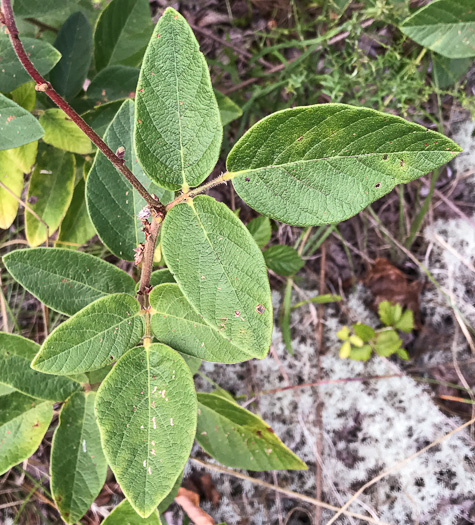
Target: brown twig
{"points": [[151, 234], [45, 87]]}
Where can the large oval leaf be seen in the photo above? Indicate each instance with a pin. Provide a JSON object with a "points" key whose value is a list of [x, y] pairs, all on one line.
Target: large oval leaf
{"points": [[16, 354], [239, 439], [17, 126], [49, 193], [12, 74], [221, 271], [112, 202], [445, 26], [323, 164], [125, 513], [61, 132], [78, 465], [23, 423], [146, 409], [176, 323], [100, 333], [64, 280], [178, 130]]}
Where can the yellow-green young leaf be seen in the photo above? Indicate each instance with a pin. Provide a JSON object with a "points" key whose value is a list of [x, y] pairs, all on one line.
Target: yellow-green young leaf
{"points": [[113, 83], [176, 323], [100, 333], [146, 410], [445, 26], [228, 109], [161, 277], [49, 193], [178, 129], [323, 164], [25, 95], [112, 202], [100, 117], [448, 71], [220, 271], [363, 331], [12, 177], [16, 354], [260, 229], [76, 227], [64, 280], [283, 259], [74, 42], [405, 322], [389, 313], [78, 465], [387, 343], [17, 125], [24, 157], [124, 513], [239, 439], [122, 32], [23, 423], [63, 133], [360, 354], [12, 74]]}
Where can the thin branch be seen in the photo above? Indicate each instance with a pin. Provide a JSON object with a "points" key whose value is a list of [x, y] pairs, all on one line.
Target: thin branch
{"points": [[42, 85], [286, 492], [396, 467]]}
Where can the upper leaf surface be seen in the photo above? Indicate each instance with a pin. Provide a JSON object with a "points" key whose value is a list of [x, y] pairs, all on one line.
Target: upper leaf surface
{"points": [[64, 280], [146, 409], [17, 353], [283, 259], [17, 126], [12, 177], [125, 513], [323, 164], [12, 74], [178, 130], [176, 323], [260, 229], [61, 132], [78, 465], [113, 83], [448, 71], [49, 193], [100, 333], [122, 32], [74, 42], [239, 439], [221, 271], [28, 8], [25, 95], [23, 423], [445, 26], [228, 109], [112, 202]]}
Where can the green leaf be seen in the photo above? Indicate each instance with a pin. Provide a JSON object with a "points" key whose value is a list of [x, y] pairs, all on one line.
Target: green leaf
{"points": [[220, 271], [161, 277], [283, 260], [5, 390], [122, 32], [146, 409], [360, 354], [228, 109], [406, 322], [112, 202], [17, 125], [23, 423], [113, 83], [403, 354], [100, 333], [319, 299], [63, 133], [124, 513], [164, 504], [178, 129], [64, 280], [389, 313], [29, 8], [100, 117], [345, 350], [12, 177], [74, 42], [323, 164], [444, 26], [17, 353], [260, 229], [448, 71], [25, 95], [78, 465], [23, 157], [176, 323], [363, 331], [387, 343], [49, 193], [239, 439], [12, 74], [76, 228], [284, 316]]}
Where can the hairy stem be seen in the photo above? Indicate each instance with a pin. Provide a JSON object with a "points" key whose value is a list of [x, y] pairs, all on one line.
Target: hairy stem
{"points": [[41, 85]]}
